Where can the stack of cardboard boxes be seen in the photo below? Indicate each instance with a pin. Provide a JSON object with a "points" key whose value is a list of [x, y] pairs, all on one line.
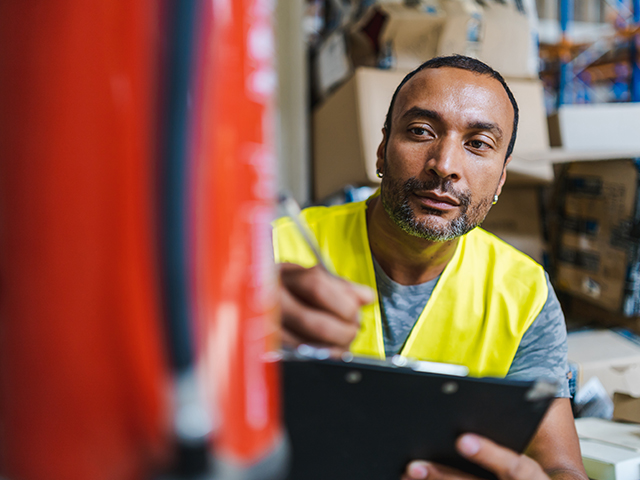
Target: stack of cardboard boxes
{"points": [[597, 244], [613, 358], [597, 261]]}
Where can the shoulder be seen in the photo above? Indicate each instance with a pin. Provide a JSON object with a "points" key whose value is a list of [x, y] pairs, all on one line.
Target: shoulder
{"points": [[500, 253], [543, 348], [484, 239], [320, 216], [504, 265], [334, 228], [549, 324]]}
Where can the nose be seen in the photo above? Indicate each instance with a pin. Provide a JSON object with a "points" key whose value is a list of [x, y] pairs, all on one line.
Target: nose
{"points": [[444, 159]]}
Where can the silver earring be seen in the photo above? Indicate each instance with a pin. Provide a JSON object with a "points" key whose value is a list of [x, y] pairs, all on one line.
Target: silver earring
{"points": [[378, 173], [495, 199]]}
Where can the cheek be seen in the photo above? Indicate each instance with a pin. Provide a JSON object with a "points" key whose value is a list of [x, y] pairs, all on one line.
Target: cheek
{"points": [[406, 159], [484, 179]]}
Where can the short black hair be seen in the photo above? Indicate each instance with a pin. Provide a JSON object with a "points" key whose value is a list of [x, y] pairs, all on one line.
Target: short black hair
{"points": [[463, 63]]}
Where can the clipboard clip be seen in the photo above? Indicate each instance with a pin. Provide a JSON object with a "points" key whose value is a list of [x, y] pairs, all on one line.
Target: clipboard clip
{"points": [[307, 352]]}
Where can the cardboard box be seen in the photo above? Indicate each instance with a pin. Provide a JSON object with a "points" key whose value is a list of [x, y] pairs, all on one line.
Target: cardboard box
{"points": [[510, 40], [410, 33], [597, 257], [604, 126], [588, 313], [537, 166], [606, 431], [609, 356], [610, 451], [462, 30], [517, 220], [332, 65], [496, 33], [626, 407], [347, 129], [609, 462], [499, 34]]}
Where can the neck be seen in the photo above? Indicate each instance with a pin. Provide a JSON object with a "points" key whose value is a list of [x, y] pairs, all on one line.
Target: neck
{"points": [[406, 259]]}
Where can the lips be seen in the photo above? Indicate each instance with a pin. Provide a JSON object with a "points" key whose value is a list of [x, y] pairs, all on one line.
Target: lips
{"points": [[439, 202]]}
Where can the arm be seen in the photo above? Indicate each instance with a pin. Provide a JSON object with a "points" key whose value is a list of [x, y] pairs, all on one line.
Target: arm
{"points": [[555, 446], [320, 309], [553, 453]]}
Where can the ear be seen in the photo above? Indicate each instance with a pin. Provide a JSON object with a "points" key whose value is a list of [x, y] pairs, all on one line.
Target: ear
{"points": [[503, 177], [380, 151]]}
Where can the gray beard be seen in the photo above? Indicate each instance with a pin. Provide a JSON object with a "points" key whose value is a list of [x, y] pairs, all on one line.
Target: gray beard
{"points": [[395, 200]]}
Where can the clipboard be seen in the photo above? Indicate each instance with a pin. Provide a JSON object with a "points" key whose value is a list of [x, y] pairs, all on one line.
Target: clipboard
{"points": [[367, 419]]}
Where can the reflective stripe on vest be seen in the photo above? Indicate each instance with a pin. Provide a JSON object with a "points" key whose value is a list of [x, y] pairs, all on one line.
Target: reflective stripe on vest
{"points": [[485, 300]]}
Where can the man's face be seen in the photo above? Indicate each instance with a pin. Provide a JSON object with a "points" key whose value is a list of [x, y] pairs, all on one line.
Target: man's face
{"points": [[443, 160]]}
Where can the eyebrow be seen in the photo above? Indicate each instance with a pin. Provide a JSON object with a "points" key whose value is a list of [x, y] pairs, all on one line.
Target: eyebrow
{"points": [[487, 126], [417, 112]]}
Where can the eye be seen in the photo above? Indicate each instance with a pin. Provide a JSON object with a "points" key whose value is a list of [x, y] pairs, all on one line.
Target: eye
{"points": [[478, 144], [420, 132]]}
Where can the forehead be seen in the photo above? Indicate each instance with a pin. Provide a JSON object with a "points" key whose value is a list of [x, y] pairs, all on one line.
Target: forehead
{"points": [[457, 95]]}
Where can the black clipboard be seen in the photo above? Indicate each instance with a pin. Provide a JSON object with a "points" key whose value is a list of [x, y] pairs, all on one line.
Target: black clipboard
{"points": [[366, 419]]}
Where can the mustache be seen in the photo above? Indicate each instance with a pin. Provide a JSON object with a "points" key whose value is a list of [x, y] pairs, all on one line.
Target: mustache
{"points": [[436, 184]]}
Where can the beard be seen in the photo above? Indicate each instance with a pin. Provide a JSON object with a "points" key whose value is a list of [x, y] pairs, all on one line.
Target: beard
{"points": [[396, 202]]}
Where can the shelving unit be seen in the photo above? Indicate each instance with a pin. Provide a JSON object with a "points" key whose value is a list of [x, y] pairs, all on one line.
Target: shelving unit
{"points": [[605, 69]]}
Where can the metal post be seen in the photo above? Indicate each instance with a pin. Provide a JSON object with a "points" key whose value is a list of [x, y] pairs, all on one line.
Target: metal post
{"points": [[633, 52], [566, 15]]}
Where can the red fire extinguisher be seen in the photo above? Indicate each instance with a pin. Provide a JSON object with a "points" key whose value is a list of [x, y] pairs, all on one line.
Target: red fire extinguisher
{"points": [[83, 376], [236, 282]]}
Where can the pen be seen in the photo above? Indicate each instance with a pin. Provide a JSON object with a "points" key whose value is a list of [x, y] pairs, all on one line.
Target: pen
{"points": [[292, 210]]}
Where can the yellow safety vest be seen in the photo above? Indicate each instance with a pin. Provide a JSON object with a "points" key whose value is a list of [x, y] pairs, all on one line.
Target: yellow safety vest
{"points": [[486, 298]]}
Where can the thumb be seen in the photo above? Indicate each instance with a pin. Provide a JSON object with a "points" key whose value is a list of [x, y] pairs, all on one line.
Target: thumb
{"points": [[364, 294]]}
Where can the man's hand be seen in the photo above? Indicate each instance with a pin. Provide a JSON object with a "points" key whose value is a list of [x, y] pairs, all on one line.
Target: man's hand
{"points": [[554, 452], [320, 309], [504, 463]]}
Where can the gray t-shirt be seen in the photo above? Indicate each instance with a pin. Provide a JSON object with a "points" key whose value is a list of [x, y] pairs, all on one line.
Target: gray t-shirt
{"points": [[542, 352]]}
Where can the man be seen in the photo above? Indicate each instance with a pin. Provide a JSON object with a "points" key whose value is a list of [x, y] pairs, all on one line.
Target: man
{"points": [[447, 291]]}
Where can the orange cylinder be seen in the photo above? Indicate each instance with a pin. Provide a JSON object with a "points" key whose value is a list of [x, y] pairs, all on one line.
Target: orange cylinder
{"points": [[235, 183], [83, 380]]}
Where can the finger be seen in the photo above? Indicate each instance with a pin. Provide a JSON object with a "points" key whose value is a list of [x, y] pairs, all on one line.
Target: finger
{"points": [[305, 324], [505, 463], [320, 330], [419, 470], [317, 288], [416, 470], [364, 294], [289, 339]]}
